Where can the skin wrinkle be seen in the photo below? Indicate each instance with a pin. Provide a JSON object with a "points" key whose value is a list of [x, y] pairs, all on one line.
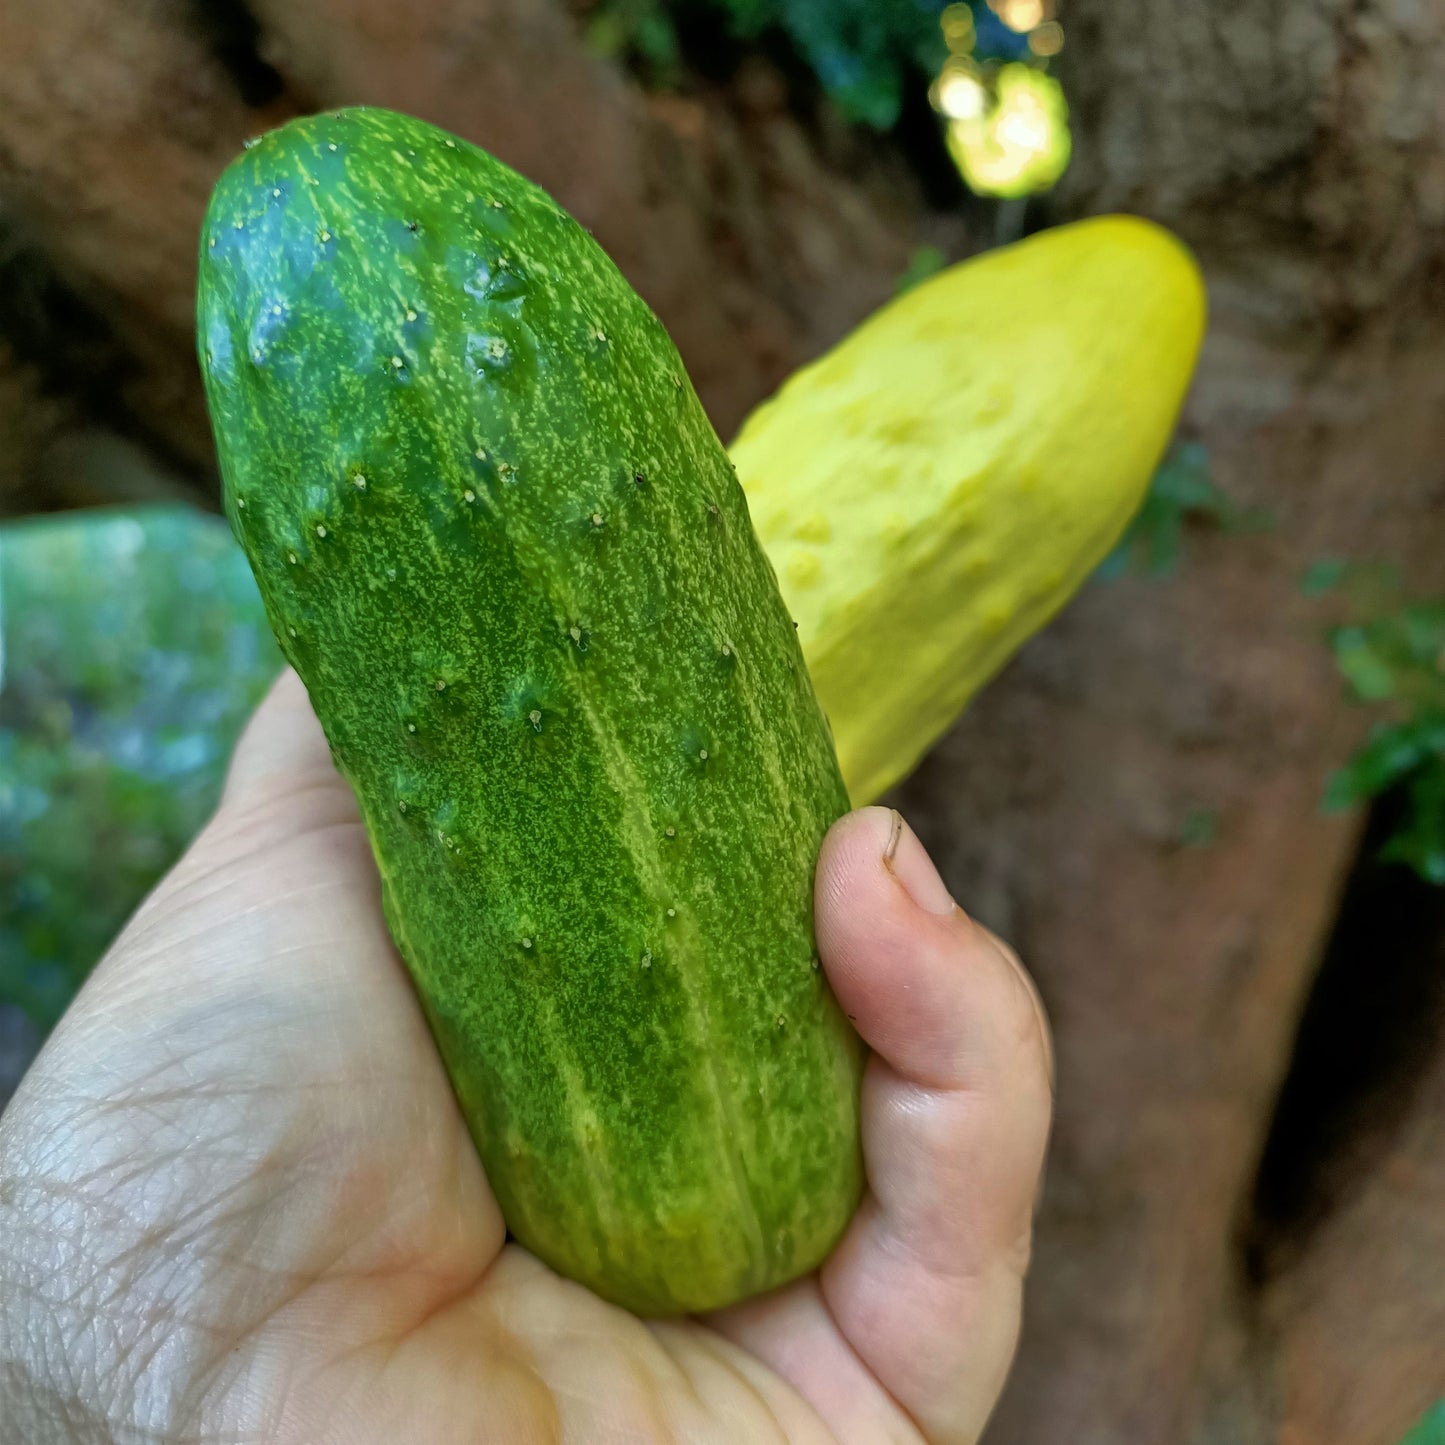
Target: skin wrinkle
{"points": [[930, 1214], [738, 1374], [841, 1339], [207, 1217], [200, 934], [456, 1299], [907, 1414], [506, 1352], [327, 1270], [196, 889], [903, 1411], [649, 1429], [687, 1374], [83, 1427], [898, 1244]]}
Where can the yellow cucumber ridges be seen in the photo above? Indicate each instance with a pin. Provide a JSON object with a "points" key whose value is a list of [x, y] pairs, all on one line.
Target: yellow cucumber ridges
{"points": [[501, 544]]}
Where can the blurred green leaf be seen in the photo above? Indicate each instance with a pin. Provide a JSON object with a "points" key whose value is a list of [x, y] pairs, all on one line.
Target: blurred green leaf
{"points": [[1420, 842], [607, 35], [863, 52], [639, 30], [1371, 588], [1181, 492], [926, 261], [1393, 752], [657, 40], [1400, 654], [1364, 667], [1392, 657], [1200, 828], [1430, 1430], [1323, 575]]}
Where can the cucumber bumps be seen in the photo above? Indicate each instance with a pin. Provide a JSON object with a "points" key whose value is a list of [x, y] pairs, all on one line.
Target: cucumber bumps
{"points": [[501, 544]]}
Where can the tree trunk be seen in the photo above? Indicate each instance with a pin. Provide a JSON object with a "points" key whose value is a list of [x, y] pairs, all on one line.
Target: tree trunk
{"points": [[756, 245], [1299, 149]]}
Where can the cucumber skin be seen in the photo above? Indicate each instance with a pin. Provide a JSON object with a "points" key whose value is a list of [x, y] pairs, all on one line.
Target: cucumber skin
{"points": [[503, 547]]}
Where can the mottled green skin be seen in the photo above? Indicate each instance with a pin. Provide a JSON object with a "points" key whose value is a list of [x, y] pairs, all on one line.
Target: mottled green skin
{"points": [[499, 540]]}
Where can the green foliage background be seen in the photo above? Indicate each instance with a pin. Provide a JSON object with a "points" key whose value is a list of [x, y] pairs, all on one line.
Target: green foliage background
{"points": [[1182, 492], [863, 52], [1391, 655], [135, 646]]}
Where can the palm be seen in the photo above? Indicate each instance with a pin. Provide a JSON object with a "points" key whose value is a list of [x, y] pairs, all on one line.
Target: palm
{"points": [[247, 1133]]}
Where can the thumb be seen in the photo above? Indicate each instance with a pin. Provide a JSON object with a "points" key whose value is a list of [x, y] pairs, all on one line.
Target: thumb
{"points": [[922, 1296], [956, 1103]]}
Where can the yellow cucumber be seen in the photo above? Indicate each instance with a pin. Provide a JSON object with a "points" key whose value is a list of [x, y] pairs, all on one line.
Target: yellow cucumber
{"points": [[937, 486]]}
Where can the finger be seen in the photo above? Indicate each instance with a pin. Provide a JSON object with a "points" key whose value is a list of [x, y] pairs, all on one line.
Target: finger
{"points": [[282, 751], [910, 964], [956, 1105], [1031, 988]]}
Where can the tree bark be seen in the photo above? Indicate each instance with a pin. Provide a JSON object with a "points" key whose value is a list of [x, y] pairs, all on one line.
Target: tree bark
{"points": [[1300, 148], [114, 121], [750, 241], [1349, 1228], [1360, 1318]]}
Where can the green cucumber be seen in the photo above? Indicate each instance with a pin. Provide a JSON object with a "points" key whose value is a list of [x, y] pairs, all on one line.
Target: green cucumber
{"points": [[504, 549]]}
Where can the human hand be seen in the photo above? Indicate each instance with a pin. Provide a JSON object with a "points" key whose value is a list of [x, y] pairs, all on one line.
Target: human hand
{"points": [[238, 1202]]}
